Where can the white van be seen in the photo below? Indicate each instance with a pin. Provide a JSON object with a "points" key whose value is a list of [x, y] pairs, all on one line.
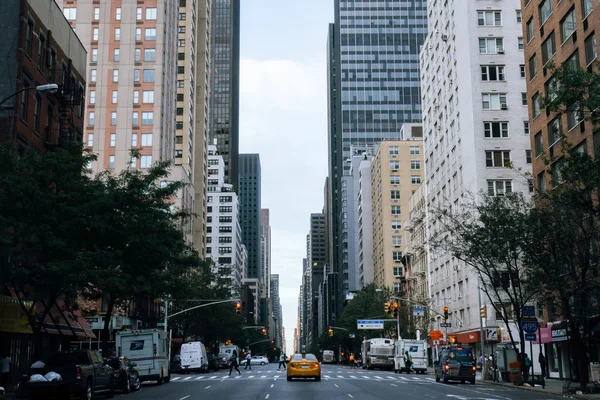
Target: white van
{"points": [[193, 357], [148, 349]]}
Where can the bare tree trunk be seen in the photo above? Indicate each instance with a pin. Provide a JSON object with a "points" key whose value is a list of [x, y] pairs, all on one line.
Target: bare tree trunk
{"points": [[106, 329]]}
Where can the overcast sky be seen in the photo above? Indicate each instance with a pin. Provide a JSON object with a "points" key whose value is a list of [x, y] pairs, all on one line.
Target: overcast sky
{"points": [[283, 117]]}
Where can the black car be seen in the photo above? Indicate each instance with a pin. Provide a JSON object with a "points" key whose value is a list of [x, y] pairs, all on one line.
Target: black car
{"points": [[213, 362], [127, 378], [456, 363]]}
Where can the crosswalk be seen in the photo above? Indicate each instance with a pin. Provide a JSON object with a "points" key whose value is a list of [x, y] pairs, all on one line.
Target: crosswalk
{"points": [[276, 376]]}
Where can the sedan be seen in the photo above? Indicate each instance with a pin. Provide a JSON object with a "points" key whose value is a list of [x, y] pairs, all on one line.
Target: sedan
{"points": [[127, 378], [304, 365], [256, 360]]}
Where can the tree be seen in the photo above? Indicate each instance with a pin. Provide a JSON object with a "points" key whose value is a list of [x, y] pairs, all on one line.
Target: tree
{"points": [[45, 226], [492, 236]]}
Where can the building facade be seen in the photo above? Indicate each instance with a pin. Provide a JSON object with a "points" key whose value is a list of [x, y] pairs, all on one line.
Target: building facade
{"points": [[396, 171], [224, 232], [225, 80], [476, 130], [40, 48], [250, 200], [361, 171], [277, 311]]}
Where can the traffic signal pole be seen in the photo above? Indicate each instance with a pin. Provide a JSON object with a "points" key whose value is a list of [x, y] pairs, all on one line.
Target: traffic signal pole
{"points": [[481, 325]]}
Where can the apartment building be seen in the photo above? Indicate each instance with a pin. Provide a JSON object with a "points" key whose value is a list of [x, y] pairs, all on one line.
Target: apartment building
{"points": [[416, 250], [476, 131], [557, 32], [224, 231], [396, 171]]}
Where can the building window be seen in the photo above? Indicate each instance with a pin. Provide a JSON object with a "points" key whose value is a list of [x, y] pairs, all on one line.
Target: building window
{"points": [[134, 142], [530, 29], [415, 164], [541, 182], [539, 144], [94, 55], [118, 13], [115, 97], [574, 116], [93, 75], [397, 256], [395, 195], [149, 54], [148, 75], [181, 42], [415, 180], [146, 139], [493, 101], [495, 129], [530, 185], [394, 150], [111, 162], [136, 75], [138, 34], [499, 187], [36, 113], [41, 50], [491, 45], [398, 271], [536, 105], [522, 70], [532, 67], [132, 162], [524, 99], [150, 34], [526, 127], [90, 140], [397, 240], [586, 7], [528, 157], [492, 72], [489, 18], [520, 43], [137, 55], [548, 49], [91, 118], [394, 165], [182, 16], [116, 55], [145, 161], [395, 210], [71, 13], [414, 150], [95, 34], [148, 97], [113, 139], [394, 180], [590, 49], [545, 10], [138, 14], [113, 118], [147, 118], [150, 14], [96, 13], [396, 225], [519, 17], [115, 75], [136, 96], [135, 118], [497, 158]]}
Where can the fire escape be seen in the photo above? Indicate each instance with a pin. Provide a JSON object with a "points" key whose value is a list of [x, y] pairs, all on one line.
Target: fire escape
{"points": [[69, 95]]}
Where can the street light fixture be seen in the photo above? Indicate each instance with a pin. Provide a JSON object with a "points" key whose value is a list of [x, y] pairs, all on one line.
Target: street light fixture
{"points": [[50, 88]]}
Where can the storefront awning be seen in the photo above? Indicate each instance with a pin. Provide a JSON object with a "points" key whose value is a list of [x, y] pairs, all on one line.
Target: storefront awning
{"points": [[62, 320], [12, 317], [545, 335]]}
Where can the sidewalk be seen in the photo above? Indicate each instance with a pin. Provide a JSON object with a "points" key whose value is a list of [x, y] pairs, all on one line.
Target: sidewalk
{"points": [[552, 386]]}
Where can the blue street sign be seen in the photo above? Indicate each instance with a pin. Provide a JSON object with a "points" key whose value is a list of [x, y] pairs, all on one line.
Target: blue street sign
{"points": [[529, 311], [369, 324], [529, 326], [530, 337], [419, 311]]}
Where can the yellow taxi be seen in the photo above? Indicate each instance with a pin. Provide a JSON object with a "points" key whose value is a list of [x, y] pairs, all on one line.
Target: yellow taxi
{"points": [[304, 365]]}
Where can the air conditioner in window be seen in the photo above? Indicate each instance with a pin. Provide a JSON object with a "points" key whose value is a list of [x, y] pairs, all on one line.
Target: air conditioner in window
{"points": [[503, 107], [444, 37], [500, 50]]}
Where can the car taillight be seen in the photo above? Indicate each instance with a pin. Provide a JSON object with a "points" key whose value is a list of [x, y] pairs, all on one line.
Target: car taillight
{"points": [[78, 373], [474, 368]]}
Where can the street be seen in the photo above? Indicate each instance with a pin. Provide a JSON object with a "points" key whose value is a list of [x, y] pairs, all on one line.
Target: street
{"points": [[338, 382]]}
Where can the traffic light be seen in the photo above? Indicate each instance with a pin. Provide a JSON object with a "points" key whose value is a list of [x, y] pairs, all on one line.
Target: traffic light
{"points": [[330, 331], [484, 312], [264, 331], [445, 313], [238, 308], [395, 307], [387, 307]]}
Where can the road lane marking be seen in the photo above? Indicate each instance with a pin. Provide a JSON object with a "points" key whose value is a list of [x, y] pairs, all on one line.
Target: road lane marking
{"points": [[339, 376], [199, 377], [352, 376], [391, 377], [403, 378], [175, 378], [378, 377], [263, 376], [189, 377], [267, 396], [393, 384], [251, 376], [349, 395], [213, 377], [185, 397], [416, 379], [207, 387], [327, 376], [335, 385]]}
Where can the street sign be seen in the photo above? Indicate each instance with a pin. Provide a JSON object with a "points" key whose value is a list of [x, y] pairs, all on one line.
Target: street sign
{"points": [[351, 335], [491, 334], [159, 324], [418, 311], [530, 337], [435, 335], [529, 326], [529, 311], [446, 325], [369, 324]]}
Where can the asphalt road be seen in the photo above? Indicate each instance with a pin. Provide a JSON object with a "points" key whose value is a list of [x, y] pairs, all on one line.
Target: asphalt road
{"points": [[265, 383]]}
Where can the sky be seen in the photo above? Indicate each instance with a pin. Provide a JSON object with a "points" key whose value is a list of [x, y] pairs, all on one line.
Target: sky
{"points": [[283, 117]]}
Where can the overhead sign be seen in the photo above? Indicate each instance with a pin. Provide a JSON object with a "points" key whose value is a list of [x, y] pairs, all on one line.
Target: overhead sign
{"points": [[418, 311], [529, 311], [369, 324], [446, 324], [529, 326], [530, 337]]}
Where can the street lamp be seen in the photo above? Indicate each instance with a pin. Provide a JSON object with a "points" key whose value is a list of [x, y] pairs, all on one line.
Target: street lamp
{"points": [[50, 88]]}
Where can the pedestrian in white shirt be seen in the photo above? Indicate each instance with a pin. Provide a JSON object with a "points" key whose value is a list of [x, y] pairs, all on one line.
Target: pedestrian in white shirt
{"points": [[5, 370]]}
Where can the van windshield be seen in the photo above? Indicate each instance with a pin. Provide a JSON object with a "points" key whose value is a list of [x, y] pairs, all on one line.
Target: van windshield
{"points": [[463, 355]]}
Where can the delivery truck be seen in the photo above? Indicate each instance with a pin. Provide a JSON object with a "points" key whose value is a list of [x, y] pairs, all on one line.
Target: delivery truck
{"points": [[149, 349]]}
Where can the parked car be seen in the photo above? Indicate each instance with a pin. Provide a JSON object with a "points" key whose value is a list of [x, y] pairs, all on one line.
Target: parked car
{"points": [[213, 361], [83, 372], [127, 378], [257, 360], [175, 363]]}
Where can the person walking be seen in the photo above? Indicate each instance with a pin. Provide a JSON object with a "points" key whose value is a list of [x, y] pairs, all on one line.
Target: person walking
{"points": [[408, 362], [233, 363], [526, 367], [351, 360], [281, 362], [542, 361], [5, 370], [248, 361]]}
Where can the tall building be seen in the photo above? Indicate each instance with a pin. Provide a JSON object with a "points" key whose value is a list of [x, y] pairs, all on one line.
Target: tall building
{"points": [[396, 171], [224, 232], [557, 32], [316, 271], [476, 130], [277, 312], [250, 200], [224, 102], [40, 48], [416, 250], [373, 88], [363, 209], [265, 270]]}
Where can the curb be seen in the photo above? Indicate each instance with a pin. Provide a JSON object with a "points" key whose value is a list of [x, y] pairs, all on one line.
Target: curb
{"points": [[540, 390]]}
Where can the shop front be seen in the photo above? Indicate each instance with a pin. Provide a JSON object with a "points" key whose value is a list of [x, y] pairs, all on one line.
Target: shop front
{"points": [[558, 352]]}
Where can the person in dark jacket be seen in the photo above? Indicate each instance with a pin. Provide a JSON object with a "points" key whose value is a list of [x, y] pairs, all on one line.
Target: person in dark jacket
{"points": [[233, 363]]}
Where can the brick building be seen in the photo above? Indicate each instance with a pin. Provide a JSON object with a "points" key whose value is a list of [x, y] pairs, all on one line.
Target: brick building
{"points": [[39, 47]]}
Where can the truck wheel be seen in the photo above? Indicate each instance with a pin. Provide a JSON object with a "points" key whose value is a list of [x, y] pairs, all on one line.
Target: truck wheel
{"points": [[160, 379], [127, 388], [137, 383], [86, 393]]}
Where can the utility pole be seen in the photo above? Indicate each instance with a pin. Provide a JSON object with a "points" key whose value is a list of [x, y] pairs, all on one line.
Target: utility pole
{"points": [[481, 319]]}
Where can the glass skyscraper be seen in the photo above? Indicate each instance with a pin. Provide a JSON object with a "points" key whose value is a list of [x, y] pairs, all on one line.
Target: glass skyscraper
{"points": [[225, 82]]}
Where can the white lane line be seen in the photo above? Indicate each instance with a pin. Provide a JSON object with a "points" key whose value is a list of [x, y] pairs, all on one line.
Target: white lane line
{"points": [[366, 377], [377, 377], [185, 397], [272, 384], [251, 376], [267, 396], [263, 376], [207, 387], [392, 377], [339, 376], [349, 395], [175, 378], [198, 378], [393, 384], [327, 376], [213, 377], [416, 379], [352, 376], [189, 377], [335, 385], [237, 377], [430, 379], [404, 379]]}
